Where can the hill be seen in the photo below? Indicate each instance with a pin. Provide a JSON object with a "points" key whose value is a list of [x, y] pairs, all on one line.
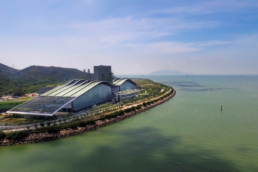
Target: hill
{"points": [[168, 72], [6, 75], [7, 71], [34, 73], [30, 79]]}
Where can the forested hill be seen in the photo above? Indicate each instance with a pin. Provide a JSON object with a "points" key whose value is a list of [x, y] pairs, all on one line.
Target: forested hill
{"points": [[7, 71], [17, 82], [34, 73], [6, 78]]}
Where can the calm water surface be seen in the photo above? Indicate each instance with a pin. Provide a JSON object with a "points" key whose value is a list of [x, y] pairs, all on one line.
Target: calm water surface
{"points": [[188, 133]]}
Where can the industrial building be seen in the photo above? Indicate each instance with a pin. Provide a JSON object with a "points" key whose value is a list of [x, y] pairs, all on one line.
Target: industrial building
{"points": [[103, 73], [127, 88], [74, 96], [124, 84]]}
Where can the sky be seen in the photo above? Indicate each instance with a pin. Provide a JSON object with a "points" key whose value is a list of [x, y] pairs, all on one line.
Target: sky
{"points": [[134, 37]]}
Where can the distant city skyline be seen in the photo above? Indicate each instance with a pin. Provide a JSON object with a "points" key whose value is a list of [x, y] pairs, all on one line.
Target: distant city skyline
{"points": [[134, 37]]}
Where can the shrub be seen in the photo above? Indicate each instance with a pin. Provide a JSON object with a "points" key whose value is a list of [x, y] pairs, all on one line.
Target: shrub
{"points": [[28, 127], [70, 125], [42, 124], [102, 118], [84, 123], [128, 110], [109, 116], [49, 123], [121, 112], [138, 107], [36, 126], [90, 122], [53, 129], [2, 135], [73, 126], [16, 135]]}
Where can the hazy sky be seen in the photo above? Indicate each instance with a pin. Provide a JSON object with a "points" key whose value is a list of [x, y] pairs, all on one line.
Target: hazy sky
{"points": [[134, 36]]}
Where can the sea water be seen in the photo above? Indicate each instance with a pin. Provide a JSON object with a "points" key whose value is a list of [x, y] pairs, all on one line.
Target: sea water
{"points": [[187, 133]]}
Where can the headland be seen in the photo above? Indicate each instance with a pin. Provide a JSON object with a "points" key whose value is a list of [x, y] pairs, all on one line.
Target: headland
{"points": [[85, 123]]}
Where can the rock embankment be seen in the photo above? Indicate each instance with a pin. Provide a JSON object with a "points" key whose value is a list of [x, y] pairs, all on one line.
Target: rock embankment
{"points": [[45, 136]]}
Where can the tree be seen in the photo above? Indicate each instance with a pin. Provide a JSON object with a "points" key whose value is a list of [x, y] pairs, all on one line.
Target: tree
{"points": [[2, 135], [48, 123], [16, 135], [18, 91]]}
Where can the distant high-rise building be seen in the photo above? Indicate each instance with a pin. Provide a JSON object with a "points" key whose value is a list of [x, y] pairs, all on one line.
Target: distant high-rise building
{"points": [[88, 70], [103, 73], [84, 70]]}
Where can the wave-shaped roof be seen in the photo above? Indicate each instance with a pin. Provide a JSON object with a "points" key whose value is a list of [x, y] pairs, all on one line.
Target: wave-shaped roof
{"points": [[52, 101], [119, 82]]}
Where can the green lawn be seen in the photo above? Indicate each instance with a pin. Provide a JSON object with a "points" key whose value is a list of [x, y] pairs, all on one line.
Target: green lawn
{"points": [[105, 105], [24, 99], [7, 105]]}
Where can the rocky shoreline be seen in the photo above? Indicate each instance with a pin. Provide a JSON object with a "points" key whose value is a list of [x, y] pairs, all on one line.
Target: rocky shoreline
{"points": [[44, 136]]}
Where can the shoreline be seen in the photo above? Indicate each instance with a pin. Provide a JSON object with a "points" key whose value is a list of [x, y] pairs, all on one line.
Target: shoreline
{"points": [[37, 137]]}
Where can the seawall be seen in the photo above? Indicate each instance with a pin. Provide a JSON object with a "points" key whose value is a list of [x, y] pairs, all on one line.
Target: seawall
{"points": [[36, 137]]}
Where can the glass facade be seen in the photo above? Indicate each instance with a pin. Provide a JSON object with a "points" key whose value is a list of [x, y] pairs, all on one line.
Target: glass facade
{"points": [[127, 85], [99, 94]]}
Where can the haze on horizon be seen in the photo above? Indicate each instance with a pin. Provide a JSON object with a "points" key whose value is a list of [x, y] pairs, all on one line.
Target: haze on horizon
{"points": [[135, 37]]}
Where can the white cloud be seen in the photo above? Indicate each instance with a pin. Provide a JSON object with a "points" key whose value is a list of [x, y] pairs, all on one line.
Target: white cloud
{"points": [[136, 41], [212, 43], [78, 52], [168, 48], [128, 29]]}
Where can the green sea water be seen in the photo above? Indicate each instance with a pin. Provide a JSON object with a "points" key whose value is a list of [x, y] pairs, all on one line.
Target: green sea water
{"points": [[187, 133]]}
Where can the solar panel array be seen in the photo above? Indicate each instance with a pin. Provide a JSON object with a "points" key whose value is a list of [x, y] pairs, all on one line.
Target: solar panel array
{"points": [[43, 104]]}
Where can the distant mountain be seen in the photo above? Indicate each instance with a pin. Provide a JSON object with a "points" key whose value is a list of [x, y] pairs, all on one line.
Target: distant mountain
{"points": [[168, 72], [7, 71], [51, 73], [32, 78]]}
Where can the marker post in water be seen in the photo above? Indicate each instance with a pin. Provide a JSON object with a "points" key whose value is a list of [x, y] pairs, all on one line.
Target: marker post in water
{"points": [[221, 108]]}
